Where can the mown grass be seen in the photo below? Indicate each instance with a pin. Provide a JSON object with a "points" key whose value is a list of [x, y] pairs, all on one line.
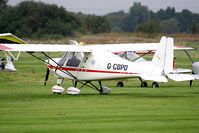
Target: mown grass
{"points": [[30, 108], [26, 106]]}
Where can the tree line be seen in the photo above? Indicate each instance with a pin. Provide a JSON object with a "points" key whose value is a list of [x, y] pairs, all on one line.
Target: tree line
{"points": [[141, 19], [39, 20]]}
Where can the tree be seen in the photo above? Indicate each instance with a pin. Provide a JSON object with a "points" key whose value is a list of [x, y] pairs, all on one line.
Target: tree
{"points": [[195, 28], [137, 14], [150, 27], [166, 14], [169, 26], [115, 20], [36, 19], [3, 3], [185, 19], [96, 24]]}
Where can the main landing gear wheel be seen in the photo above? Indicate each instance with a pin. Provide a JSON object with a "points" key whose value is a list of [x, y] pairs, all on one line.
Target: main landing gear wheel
{"points": [[144, 84], [155, 85], [120, 84]]}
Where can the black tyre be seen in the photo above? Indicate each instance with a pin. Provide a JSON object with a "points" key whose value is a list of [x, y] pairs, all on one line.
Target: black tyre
{"points": [[120, 84], [144, 84], [155, 85]]}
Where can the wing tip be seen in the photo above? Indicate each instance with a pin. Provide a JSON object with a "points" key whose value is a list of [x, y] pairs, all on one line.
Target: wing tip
{"points": [[2, 47]]}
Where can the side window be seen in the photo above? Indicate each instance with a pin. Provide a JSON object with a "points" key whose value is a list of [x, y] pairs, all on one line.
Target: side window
{"points": [[74, 61], [63, 59]]}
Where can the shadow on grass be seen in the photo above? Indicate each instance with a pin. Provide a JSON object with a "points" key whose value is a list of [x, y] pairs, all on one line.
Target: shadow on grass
{"points": [[31, 97], [136, 95]]}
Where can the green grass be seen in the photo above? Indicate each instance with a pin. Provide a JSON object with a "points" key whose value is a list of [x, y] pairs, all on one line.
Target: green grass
{"points": [[26, 106], [30, 108]]}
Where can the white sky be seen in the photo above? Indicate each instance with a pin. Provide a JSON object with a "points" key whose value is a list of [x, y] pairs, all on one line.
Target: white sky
{"points": [[101, 7]]}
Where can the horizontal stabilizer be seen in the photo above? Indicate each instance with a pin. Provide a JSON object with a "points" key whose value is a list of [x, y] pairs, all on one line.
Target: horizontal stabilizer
{"points": [[180, 70], [183, 77], [154, 78]]}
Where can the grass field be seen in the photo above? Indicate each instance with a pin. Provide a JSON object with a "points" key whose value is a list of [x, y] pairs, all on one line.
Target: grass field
{"points": [[26, 106]]}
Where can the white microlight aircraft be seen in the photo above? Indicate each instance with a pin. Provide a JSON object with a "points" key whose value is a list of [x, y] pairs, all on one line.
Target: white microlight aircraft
{"points": [[84, 64], [10, 39]]}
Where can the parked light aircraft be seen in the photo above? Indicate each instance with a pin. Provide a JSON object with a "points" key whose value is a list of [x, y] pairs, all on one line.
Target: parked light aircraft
{"points": [[85, 64], [10, 39]]}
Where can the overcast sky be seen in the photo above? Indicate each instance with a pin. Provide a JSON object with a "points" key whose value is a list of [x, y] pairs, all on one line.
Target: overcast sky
{"points": [[101, 7]]}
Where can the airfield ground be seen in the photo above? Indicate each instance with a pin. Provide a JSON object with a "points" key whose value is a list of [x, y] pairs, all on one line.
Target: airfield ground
{"points": [[26, 106]]}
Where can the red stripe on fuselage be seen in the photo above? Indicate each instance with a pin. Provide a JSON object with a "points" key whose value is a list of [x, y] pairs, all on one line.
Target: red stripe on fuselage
{"points": [[87, 70], [2, 47]]}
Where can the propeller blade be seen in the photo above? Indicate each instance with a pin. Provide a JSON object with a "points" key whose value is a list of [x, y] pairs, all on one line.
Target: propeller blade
{"points": [[191, 81], [47, 75]]}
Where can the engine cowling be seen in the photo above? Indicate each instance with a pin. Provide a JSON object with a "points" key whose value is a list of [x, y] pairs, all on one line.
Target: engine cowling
{"points": [[195, 68]]}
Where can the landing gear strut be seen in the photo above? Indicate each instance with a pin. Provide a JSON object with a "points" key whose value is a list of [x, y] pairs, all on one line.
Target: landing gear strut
{"points": [[101, 89], [143, 83]]}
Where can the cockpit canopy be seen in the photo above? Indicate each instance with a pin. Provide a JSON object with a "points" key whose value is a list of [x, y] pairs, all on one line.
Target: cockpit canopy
{"points": [[71, 59]]}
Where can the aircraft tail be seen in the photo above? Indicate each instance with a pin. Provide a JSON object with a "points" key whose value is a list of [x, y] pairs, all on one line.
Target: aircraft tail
{"points": [[164, 55], [9, 38]]}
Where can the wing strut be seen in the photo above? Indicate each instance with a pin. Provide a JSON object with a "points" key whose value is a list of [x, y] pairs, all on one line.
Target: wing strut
{"points": [[191, 81], [64, 71], [188, 55]]}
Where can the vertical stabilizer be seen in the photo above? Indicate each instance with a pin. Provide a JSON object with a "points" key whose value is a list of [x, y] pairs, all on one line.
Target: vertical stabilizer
{"points": [[164, 55], [168, 67]]}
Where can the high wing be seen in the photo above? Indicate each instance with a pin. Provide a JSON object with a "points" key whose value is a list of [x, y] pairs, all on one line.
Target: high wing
{"points": [[43, 48], [84, 48], [133, 47], [77, 48]]}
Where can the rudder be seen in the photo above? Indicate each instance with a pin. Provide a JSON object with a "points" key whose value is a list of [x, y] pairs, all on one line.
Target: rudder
{"points": [[164, 55]]}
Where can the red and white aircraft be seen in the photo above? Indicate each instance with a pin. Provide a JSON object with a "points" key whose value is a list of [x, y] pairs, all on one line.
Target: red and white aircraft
{"points": [[84, 64]]}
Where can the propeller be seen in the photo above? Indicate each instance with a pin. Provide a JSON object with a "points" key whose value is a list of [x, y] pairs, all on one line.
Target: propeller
{"points": [[47, 75]]}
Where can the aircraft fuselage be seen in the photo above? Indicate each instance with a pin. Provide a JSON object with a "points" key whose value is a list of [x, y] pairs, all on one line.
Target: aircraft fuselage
{"points": [[104, 65]]}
